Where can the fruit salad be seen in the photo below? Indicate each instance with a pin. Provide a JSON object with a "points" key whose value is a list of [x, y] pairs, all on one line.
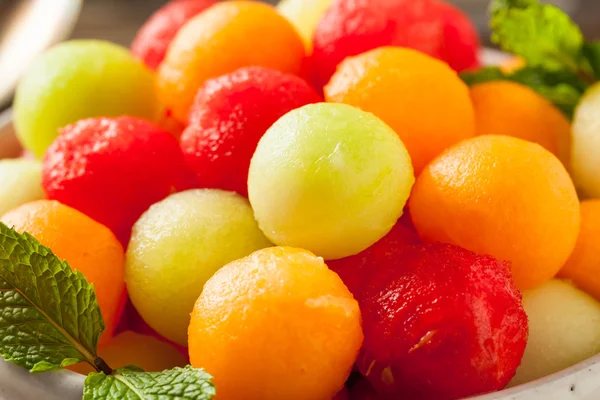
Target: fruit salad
{"points": [[327, 199]]}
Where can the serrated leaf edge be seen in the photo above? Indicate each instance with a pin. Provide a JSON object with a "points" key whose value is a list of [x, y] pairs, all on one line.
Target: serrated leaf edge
{"points": [[38, 367]]}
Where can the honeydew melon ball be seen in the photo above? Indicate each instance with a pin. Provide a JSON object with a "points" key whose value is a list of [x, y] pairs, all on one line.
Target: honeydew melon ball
{"points": [[20, 183], [177, 245], [585, 157], [329, 178], [79, 79], [304, 15], [564, 329]]}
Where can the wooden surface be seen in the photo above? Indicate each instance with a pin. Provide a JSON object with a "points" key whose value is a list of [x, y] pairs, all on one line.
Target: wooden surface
{"points": [[118, 20]]}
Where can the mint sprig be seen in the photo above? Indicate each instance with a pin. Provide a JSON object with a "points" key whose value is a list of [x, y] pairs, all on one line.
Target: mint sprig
{"points": [[560, 65], [50, 318], [133, 384], [50, 315], [542, 34]]}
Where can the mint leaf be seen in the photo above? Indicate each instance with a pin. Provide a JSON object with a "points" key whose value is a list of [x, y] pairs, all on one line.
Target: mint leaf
{"points": [[562, 88], [49, 315], [131, 383], [543, 35], [591, 51]]}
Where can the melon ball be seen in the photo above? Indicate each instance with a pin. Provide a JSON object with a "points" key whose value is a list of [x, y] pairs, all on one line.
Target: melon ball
{"points": [[564, 329], [20, 183], [329, 178], [177, 245], [304, 15], [80, 79], [585, 162]]}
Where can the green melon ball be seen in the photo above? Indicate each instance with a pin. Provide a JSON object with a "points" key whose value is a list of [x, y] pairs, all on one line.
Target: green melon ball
{"points": [[585, 157], [20, 183], [80, 79], [329, 178], [177, 245], [564, 329]]}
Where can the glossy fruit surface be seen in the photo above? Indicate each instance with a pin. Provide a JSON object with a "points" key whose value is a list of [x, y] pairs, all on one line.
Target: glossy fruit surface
{"points": [[585, 163], [226, 37], [354, 270], [80, 79], [501, 196], [461, 44], [305, 15], [583, 266], [512, 109], [88, 247], [113, 169], [153, 38], [230, 115], [177, 245], [564, 329], [329, 178], [275, 325], [20, 183], [349, 28], [373, 81], [441, 322]]}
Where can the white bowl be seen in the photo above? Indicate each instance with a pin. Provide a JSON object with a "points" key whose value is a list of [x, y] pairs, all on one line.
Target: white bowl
{"points": [[580, 382]]}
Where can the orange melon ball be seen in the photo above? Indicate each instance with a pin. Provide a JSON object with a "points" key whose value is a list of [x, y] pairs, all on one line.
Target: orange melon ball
{"points": [[276, 325], [512, 109], [421, 98], [220, 40], [501, 196], [583, 266], [88, 247]]}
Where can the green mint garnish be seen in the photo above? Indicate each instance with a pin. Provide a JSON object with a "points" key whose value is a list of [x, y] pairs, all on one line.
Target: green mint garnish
{"points": [[50, 318], [50, 315], [560, 65], [133, 384], [542, 34]]}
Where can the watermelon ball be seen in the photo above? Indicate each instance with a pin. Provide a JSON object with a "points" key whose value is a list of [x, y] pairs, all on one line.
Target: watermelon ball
{"points": [[441, 322], [350, 28], [153, 38], [230, 115], [113, 169], [354, 269], [461, 42]]}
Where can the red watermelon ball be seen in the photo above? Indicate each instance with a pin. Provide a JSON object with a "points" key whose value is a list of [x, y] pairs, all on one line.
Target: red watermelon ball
{"points": [[354, 269], [113, 169], [352, 27], [153, 38], [441, 322], [230, 115], [461, 44]]}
